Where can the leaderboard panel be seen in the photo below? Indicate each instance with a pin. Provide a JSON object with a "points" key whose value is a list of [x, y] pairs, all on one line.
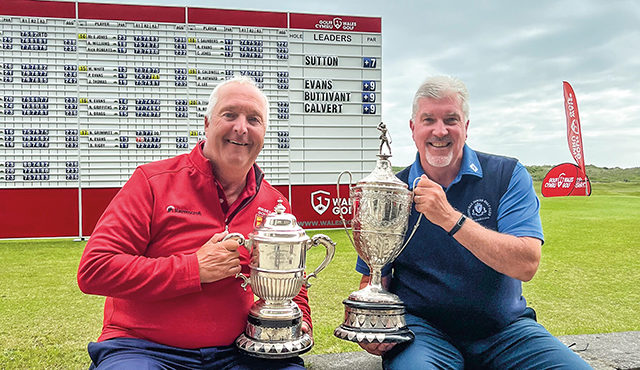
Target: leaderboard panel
{"points": [[90, 91], [33, 120], [130, 89], [335, 93], [88, 99]]}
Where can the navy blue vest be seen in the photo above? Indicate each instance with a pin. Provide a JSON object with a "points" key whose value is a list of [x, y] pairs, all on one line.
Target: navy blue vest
{"points": [[441, 281]]}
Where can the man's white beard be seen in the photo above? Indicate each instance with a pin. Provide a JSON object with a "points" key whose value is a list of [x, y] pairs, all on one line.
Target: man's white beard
{"points": [[439, 160]]}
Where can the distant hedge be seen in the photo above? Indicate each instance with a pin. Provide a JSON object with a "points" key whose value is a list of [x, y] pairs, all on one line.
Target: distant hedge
{"points": [[595, 173]]}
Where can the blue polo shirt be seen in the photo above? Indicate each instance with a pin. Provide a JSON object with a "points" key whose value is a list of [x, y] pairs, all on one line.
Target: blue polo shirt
{"points": [[440, 280]]}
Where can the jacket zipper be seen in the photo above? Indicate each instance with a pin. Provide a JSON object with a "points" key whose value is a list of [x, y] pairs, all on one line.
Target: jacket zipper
{"points": [[259, 176]]}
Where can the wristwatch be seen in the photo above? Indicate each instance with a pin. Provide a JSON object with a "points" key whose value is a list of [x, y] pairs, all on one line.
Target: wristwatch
{"points": [[458, 225]]}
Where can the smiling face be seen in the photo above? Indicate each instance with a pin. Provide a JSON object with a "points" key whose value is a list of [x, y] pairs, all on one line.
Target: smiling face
{"points": [[235, 129], [439, 130]]}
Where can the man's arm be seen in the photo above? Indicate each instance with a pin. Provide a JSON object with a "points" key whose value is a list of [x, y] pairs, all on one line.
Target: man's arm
{"points": [[517, 257], [302, 300], [114, 261]]}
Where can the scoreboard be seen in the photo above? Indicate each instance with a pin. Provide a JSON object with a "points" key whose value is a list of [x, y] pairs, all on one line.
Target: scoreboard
{"points": [[90, 91]]}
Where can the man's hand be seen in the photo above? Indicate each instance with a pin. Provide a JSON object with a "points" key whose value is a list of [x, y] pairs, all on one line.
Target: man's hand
{"points": [[306, 329], [377, 349], [432, 202], [218, 260]]}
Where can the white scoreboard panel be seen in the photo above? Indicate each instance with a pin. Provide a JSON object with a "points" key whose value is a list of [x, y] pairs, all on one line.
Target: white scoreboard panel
{"points": [[91, 91]]}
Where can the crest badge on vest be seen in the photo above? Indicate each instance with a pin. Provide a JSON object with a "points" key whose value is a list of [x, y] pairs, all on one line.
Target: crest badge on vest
{"points": [[479, 210]]}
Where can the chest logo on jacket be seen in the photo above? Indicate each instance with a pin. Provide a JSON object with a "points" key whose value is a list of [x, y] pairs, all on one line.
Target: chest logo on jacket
{"points": [[479, 210], [173, 209], [261, 214]]}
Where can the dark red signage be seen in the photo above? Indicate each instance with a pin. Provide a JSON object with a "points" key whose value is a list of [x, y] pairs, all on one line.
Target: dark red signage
{"points": [[319, 206], [334, 23], [38, 213], [34, 8], [237, 17], [565, 179], [140, 13]]}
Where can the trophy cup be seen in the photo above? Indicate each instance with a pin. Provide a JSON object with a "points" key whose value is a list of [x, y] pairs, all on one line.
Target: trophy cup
{"points": [[381, 207], [278, 258]]}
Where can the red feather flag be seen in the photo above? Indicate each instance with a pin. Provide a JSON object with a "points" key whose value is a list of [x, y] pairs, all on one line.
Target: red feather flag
{"points": [[569, 179]]}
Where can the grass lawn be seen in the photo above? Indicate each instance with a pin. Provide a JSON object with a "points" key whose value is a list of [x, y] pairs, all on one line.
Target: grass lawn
{"points": [[45, 321], [588, 280], [587, 283]]}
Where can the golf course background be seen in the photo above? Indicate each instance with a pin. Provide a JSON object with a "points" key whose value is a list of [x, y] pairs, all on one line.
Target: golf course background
{"points": [[588, 280]]}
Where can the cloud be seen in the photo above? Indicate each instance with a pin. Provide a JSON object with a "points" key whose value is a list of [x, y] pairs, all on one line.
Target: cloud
{"points": [[521, 36], [513, 58]]}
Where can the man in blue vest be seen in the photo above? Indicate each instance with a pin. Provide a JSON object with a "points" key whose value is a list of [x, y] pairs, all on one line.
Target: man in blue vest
{"points": [[461, 275]]}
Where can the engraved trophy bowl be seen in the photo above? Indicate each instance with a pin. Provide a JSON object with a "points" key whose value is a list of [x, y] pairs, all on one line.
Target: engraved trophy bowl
{"points": [[381, 207], [278, 258]]}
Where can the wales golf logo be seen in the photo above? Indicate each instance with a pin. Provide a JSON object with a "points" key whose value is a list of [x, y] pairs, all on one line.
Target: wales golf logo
{"points": [[337, 23], [479, 210], [320, 201]]}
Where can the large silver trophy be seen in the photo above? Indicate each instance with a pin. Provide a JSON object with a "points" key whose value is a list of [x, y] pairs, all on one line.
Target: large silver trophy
{"points": [[278, 250], [381, 206]]}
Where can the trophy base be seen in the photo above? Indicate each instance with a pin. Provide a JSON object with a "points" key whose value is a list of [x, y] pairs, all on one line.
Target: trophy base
{"points": [[373, 323], [274, 339]]}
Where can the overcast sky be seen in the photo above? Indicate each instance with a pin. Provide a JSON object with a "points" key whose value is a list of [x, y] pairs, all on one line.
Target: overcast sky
{"points": [[513, 56]]}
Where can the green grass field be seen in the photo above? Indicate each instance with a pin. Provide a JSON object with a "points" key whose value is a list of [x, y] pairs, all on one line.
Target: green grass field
{"points": [[587, 283]]}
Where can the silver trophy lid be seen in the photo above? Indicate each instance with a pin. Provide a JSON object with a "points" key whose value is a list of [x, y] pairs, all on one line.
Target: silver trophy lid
{"points": [[382, 175], [279, 227]]}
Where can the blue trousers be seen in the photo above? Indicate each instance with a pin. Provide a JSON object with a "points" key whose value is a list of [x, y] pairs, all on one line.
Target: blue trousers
{"points": [[524, 344], [139, 354]]}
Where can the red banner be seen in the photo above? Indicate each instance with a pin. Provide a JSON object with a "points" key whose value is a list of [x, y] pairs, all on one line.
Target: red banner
{"points": [[30, 213], [320, 22], [568, 179], [564, 180], [574, 131]]}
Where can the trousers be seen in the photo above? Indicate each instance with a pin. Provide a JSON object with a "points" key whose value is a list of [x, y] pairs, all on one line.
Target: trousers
{"points": [[523, 344], [140, 354]]}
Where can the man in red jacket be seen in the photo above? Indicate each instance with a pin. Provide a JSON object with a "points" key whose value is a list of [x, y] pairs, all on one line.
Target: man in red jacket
{"points": [[172, 299]]}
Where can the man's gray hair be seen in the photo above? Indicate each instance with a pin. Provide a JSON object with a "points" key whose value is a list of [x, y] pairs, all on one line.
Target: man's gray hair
{"points": [[438, 87], [242, 80]]}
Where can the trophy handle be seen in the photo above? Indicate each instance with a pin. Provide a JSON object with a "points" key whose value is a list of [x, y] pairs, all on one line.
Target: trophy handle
{"points": [[415, 227], [246, 280], [330, 246], [237, 237], [344, 223], [242, 241]]}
